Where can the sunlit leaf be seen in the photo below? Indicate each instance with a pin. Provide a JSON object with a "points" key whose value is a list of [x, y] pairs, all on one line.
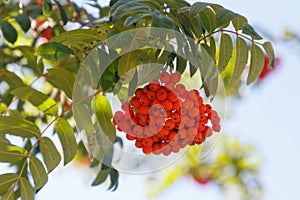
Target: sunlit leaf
{"points": [[225, 54], [270, 51], [11, 154], [27, 192], [24, 21], [17, 126], [50, 153], [62, 12], [126, 63], [61, 79], [102, 175], [67, 139], [241, 58], [36, 98], [249, 30], [103, 111], [47, 7], [6, 180], [256, 63], [9, 32], [38, 172], [53, 51]]}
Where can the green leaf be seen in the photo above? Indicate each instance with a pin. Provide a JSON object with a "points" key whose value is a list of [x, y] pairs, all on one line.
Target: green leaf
{"points": [[148, 72], [38, 99], [125, 8], [197, 8], [208, 19], [180, 64], [241, 58], [61, 79], [256, 63], [210, 87], [38, 172], [9, 195], [114, 179], [226, 48], [270, 51], [103, 111], [131, 19], [27, 192], [9, 32], [162, 21], [53, 51], [102, 175], [11, 79], [77, 38], [127, 62], [24, 21], [17, 126], [28, 53], [224, 16], [50, 154], [67, 139], [6, 181], [11, 154], [238, 22], [47, 7], [133, 84], [62, 12], [249, 30]]}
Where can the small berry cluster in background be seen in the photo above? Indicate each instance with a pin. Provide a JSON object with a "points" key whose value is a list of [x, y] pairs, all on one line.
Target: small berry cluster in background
{"points": [[163, 116], [267, 68]]}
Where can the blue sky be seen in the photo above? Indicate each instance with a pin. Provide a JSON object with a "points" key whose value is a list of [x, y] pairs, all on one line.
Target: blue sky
{"points": [[267, 117]]}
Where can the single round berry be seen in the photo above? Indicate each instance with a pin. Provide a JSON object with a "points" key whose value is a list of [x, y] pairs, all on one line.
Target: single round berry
{"points": [[175, 78], [165, 77]]}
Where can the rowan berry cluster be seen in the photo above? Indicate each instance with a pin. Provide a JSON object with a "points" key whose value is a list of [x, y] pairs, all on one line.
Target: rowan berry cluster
{"points": [[163, 116]]}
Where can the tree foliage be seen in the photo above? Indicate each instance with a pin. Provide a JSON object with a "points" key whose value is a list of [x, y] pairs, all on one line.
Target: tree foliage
{"points": [[40, 58]]}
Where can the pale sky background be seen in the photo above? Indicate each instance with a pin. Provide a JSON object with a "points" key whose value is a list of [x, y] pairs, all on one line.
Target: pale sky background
{"points": [[267, 118]]}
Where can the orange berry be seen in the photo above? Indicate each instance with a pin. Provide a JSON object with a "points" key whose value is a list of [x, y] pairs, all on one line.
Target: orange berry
{"points": [[175, 148], [185, 119], [151, 94], [193, 112], [154, 129], [147, 142], [156, 149], [135, 102], [172, 136], [139, 92], [144, 110], [143, 120], [138, 143], [154, 85], [160, 121], [175, 117], [168, 105], [198, 138], [172, 97], [192, 95], [208, 108], [164, 132], [176, 106], [166, 149], [170, 86], [138, 131], [192, 132], [188, 104], [155, 138], [146, 89], [175, 78], [190, 123], [147, 150], [155, 110], [201, 126], [182, 133], [169, 124], [216, 127], [156, 102], [207, 131], [130, 137], [203, 119], [216, 120], [165, 77], [125, 106], [144, 100], [180, 89], [162, 94]]}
